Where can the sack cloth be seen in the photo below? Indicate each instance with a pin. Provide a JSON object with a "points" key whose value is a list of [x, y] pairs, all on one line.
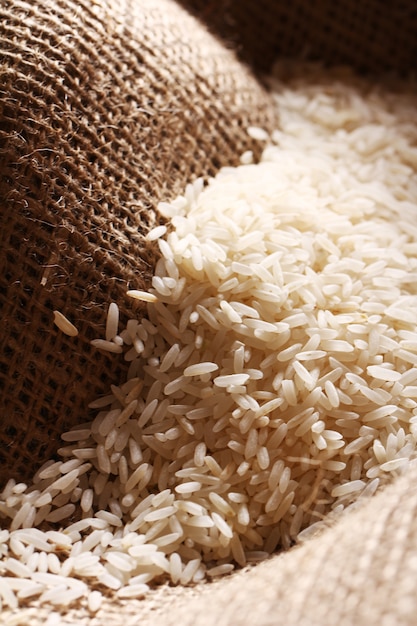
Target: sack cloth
{"points": [[106, 108], [360, 571], [371, 37]]}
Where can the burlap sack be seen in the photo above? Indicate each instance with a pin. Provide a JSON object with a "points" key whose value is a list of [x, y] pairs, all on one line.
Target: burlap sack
{"points": [[362, 569], [370, 36], [106, 107]]}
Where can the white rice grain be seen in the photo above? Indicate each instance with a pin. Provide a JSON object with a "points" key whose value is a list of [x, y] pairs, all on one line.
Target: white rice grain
{"points": [[347, 488], [231, 379], [107, 346], [220, 570], [199, 369], [144, 296], [223, 527], [112, 322], [258, 133], [156, 233], [64, 324], [94, 601]]}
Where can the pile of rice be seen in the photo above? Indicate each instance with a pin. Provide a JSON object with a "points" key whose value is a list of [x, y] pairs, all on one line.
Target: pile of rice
{"points": [[274, 379]]}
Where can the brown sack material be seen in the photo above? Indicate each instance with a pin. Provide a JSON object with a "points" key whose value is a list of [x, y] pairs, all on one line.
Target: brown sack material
{"points": [[360, 571], [106, 107], [371, 37]]}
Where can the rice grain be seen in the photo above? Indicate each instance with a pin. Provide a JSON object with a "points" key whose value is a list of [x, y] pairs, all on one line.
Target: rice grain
{"points": [[64, 324]]}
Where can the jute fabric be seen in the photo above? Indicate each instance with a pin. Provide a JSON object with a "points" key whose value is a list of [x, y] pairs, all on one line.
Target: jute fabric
{"points": [[106, 108], [359, 571], [373, 37]]}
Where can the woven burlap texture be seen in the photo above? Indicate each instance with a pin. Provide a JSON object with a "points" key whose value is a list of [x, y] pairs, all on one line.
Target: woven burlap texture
{"points": [[106, 107], [82, 142], [360, 571], [373, 36]]}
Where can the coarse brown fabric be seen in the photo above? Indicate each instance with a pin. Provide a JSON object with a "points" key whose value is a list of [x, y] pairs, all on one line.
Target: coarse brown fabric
{"points": [[106, 107], [372, 37], [360, 571]]}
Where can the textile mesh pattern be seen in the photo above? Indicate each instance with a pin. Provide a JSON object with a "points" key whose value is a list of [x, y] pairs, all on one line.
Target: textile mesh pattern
{"points": [[105, 109], [372, 37]]}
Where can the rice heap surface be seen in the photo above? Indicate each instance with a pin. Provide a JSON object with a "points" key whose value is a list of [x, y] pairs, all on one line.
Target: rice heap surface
{"points": [[275, 378]]}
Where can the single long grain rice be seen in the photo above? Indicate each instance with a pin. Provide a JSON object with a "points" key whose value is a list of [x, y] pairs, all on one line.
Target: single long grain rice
{"points": [[64, 324]]}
